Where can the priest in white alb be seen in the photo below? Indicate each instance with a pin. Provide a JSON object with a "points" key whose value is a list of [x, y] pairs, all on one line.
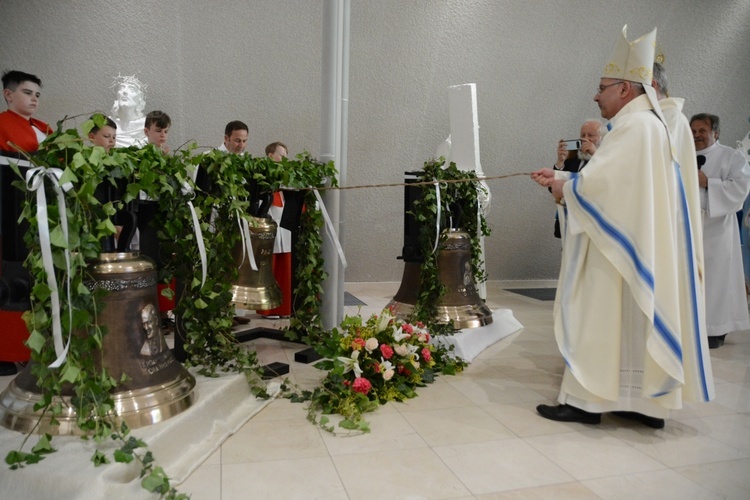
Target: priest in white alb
{"points": [[628, 311], [724, 179]]}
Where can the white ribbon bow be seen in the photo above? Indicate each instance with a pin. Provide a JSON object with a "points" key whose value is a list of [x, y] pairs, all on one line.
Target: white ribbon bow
{"points": [[35, 182]]}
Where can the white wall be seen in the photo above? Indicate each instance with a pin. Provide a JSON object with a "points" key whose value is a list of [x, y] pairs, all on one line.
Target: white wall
{"points": [[536, 64]]}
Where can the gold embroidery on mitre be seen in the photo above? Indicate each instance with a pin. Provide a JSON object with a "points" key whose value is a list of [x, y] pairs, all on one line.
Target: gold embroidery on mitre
{"points": [[642, 72], [611, 68], [660, 58]]}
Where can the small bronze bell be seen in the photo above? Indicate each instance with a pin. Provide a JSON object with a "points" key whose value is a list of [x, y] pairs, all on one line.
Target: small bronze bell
{"points": [[461, 302], [158, 386], [257, 289]]}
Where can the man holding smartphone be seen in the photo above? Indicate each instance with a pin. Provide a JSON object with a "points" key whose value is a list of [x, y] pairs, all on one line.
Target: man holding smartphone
{"points": [[573, 155]]}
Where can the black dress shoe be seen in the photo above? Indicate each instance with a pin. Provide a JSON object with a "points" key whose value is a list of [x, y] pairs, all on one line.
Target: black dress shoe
{"points": [[654, 423], [567, 413], [715, 342]]}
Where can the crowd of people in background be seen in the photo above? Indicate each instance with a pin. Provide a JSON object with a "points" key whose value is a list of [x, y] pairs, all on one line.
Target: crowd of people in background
{"points": [[21, 133]]}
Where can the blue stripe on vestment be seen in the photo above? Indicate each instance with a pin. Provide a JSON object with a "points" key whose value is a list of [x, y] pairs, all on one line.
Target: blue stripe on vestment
{"points": [[693, 287], [670, 339]]}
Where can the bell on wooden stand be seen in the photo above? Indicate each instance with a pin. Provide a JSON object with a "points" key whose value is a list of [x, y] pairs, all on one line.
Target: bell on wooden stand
{"points": [[157, 385]]}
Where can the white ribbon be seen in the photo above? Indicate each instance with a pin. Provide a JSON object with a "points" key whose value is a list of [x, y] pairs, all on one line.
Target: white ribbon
{"points": [[437, 221], [329, 226], [187, 190], [35, 182], [201, 244], [246, 242]]}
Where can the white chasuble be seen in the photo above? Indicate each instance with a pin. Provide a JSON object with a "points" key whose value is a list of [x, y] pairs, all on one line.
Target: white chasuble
{"points": [[628, 311]]}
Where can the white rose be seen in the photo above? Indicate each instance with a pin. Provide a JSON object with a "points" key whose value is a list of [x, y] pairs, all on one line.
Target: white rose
{"points": [[388, 374], [401, 349], [371, 344]]}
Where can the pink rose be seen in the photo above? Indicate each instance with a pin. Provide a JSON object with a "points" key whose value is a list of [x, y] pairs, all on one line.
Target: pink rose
{"points": [[361, 385], [376, 367], [426, 354], [388, 374], [386, 351]]}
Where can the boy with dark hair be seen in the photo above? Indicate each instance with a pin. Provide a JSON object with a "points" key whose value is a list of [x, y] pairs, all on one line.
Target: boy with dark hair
{"points": [[21, 92], [18, 130], [104, 136], [157, 128]]}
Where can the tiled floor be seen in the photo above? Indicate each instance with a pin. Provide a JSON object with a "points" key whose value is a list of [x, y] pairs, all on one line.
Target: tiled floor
{"points": [[477, 434]]}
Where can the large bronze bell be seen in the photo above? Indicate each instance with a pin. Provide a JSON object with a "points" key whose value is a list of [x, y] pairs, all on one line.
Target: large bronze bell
{"points": [[461, 302], [157, 386], [257, 289]]}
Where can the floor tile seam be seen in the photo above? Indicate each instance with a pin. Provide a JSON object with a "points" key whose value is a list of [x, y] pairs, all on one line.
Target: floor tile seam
{"points": [[338, 475], [635, 474], [279, 459], [647, 450], [424, 445], [521, 490], [512, 435], [455, 474], [551, 459], [499, 441]]}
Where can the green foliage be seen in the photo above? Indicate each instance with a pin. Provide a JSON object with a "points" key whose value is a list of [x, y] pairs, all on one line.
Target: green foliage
{"points": [[237, 180], [459, 206], [306, 323]]}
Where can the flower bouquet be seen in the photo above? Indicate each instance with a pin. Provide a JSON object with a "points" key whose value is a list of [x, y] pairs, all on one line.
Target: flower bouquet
{"points": [[372, 362]]}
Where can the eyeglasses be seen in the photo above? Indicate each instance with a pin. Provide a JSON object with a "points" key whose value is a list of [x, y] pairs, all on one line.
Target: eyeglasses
{"points": [[603, 87]]}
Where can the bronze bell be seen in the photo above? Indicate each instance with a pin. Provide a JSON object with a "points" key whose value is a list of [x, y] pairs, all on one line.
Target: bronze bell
{"points": [[158, 386], [257, 289], [461, 302]]}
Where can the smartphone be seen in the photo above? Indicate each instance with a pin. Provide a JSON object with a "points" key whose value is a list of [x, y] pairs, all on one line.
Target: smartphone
{"points": [[572, 145]]}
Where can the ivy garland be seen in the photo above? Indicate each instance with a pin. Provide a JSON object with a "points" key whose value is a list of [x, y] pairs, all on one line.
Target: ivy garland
{"points": [[459, 206], [205, 310]]}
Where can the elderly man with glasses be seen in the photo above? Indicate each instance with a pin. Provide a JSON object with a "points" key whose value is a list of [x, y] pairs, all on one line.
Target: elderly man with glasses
{"points": [[629, 311]]}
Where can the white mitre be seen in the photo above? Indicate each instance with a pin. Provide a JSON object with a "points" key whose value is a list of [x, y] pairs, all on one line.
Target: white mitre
{"points": [[632, 61]]}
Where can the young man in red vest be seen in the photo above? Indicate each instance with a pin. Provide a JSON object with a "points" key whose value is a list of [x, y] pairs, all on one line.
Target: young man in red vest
{"points": [[19, 134]]}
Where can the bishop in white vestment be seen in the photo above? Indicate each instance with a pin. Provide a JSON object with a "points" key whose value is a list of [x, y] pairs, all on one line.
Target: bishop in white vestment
{"points": [[628, 311]]}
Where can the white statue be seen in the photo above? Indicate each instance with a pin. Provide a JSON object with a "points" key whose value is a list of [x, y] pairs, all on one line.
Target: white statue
{"points": [[127, 110]]}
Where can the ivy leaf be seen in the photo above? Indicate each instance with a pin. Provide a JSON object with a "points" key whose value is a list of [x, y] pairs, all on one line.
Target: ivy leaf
{"points": [[99, 458], [156, 481], [57, 238], [123, 457], [70, 373], [36, 341], [200, 304], [68, 176], [348, 424], [43, 445]]}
